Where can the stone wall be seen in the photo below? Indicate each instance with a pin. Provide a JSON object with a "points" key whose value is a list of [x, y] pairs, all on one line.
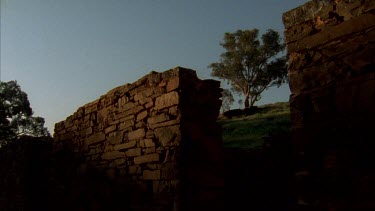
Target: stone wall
{"points": [[158, 134], [331, 49]]}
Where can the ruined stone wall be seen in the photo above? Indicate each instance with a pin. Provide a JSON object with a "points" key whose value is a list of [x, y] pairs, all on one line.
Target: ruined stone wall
{"points": [[158, 134], [331, 49]]}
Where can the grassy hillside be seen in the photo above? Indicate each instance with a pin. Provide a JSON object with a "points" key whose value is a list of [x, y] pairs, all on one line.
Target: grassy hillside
{"points": [[247, 132]]}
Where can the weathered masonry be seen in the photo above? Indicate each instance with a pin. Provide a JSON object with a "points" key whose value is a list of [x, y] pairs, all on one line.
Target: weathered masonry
{"points": [[331, 48], [159, 134]]}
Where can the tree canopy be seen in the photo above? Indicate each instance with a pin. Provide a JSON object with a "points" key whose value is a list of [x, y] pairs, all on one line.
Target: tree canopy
{"points": [[16, 114], [251, 65], [227, 100]]}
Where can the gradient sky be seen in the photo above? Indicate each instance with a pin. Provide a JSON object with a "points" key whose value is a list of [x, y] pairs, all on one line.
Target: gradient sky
{"points": [[66, 53]]}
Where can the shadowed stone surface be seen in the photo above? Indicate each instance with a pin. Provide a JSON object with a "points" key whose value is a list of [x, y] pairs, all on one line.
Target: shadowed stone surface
{"points": [[331, 48], [144, 133]]}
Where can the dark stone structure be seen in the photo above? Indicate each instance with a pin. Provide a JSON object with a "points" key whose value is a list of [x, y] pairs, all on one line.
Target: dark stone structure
{"points": [[155, 144], [157, 135], [331, 48], [150, 145]]}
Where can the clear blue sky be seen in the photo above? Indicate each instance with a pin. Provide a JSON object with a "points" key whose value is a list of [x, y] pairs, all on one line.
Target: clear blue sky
{"points": [[66, 53]]}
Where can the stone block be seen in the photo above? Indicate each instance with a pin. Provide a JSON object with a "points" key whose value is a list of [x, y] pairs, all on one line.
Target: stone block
{"points": [[124, 117], [129, 106], [173, 111], [153, 78], [166, 135], [331, 33], [102, 114], [86, 132], [352, 9], [113, 155], [159, 118], [87, 118], [137, 134], [72, 128], [123, 100], [339, 48], [140, 124], [298, 31], [150, 134], [115, 137], [80, 113], [113, 122], [95, 138], [127, 145], [149, 104], [158, 91], [143, 94], [167, 100], [151, 175], [144, 100], [149, 143], [133, 152], [162, 84], [141, 115], [149, 150], [91, 107], [306, 12], [126, 124], [60, 125], [108, 148], [165, 124], [69, 122], [147, 158], [173, 84], [110, 129], [133, 110], [119, 162]]}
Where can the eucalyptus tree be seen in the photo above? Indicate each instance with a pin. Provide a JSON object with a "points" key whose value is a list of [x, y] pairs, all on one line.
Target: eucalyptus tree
{"points": [[251, 65]]}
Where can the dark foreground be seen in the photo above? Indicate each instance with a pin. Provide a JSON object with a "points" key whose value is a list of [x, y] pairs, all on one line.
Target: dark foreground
{"points": [[259, 179]]}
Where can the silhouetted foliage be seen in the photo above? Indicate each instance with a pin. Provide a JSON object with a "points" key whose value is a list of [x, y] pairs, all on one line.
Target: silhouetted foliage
{"points": [[227, 100], [240, 102], [16, 114], [250, 65]]}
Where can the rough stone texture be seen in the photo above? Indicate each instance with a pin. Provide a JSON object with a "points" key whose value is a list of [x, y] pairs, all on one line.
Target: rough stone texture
{"points": [[158, 134], [331, 48]]}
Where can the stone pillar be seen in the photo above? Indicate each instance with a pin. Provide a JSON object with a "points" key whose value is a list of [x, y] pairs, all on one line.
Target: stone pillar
{"points": [[331, 49], [158, 134]]}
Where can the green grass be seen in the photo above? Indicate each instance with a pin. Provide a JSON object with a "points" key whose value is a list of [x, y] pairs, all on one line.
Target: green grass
{"points": [[247, 132]]}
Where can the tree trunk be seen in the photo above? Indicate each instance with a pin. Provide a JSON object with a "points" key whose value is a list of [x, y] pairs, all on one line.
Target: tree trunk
{"points": [[246, 101], [252, 102]]}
